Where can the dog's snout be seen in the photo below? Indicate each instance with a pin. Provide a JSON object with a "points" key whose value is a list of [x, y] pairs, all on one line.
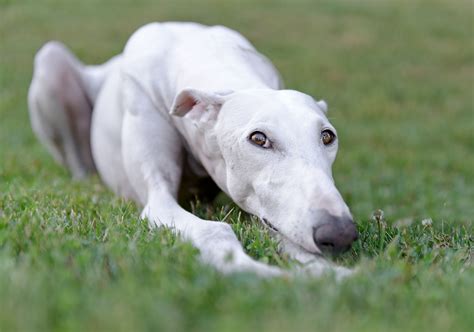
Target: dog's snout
{"points": [[335, 235]]}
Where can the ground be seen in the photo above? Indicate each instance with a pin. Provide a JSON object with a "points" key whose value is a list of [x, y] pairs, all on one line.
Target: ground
{"points": [[398, 77]]}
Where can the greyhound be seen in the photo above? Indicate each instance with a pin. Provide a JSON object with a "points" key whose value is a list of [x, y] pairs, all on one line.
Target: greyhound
{"points": [[184, 98]]}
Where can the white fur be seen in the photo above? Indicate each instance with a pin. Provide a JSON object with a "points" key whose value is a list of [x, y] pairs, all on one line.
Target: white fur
{"points": [[183, 90]]}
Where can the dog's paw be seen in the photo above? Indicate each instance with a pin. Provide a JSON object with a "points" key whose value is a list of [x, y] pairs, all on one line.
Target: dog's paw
{"points": [[319, 268], [341, 272]]}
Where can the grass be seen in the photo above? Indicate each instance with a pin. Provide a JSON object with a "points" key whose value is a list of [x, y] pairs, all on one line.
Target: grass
{"points": [[398, 77]]}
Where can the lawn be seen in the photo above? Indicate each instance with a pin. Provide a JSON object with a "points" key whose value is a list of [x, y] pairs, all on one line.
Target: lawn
{"points": [[399, 80]]}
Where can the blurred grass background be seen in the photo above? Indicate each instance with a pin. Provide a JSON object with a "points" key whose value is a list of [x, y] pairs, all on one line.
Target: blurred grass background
{"points": [[398, 77]]}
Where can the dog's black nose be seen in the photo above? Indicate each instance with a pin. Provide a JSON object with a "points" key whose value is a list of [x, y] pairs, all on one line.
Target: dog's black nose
{"points": [[335, 235]]}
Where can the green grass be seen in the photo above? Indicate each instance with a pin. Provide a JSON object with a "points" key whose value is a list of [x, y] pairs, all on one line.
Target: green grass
{"points": [[398, 77]]}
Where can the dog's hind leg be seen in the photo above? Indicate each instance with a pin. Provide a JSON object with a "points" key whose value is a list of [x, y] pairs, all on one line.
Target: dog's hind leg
{"points": [[60, 99]]}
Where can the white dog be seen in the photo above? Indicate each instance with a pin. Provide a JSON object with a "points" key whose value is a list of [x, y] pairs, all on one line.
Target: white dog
{"points": [[186, 97]]}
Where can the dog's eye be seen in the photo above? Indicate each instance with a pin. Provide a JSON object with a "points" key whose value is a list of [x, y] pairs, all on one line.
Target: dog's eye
{"points": [[259, 138], [328, 137]]}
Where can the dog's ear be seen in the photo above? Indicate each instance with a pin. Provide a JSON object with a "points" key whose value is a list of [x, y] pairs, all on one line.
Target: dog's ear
{"points": [[322, 105], [197, 102]]}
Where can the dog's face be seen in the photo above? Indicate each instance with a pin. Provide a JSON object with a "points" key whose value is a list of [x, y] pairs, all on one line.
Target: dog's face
{"points": [[275, 150]]}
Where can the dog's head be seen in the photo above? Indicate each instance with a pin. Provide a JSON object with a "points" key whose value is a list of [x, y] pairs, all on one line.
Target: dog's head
{"points": [[272, 152]]}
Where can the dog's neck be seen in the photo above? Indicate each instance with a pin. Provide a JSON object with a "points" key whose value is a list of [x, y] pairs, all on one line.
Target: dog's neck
{"points": [[239, 69]]}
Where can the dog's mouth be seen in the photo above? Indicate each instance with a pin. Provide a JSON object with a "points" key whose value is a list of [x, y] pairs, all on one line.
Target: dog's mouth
{"points": [[269, 225], [276, 231]]}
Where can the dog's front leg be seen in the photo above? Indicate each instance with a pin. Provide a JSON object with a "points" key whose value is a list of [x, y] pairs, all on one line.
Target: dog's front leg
{"points": [[217, 243], [152, 154]]}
